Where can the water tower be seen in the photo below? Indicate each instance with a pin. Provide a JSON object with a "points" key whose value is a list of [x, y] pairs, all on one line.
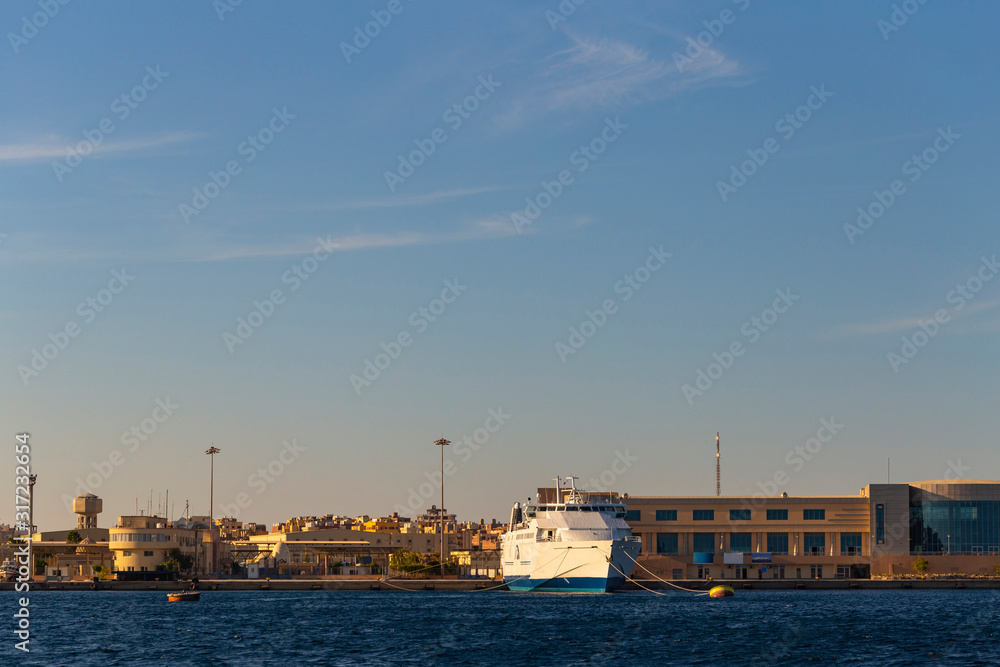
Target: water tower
{"points": [[88, 506]]}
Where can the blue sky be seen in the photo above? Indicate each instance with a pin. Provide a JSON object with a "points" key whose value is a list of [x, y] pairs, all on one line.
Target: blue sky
{"points": [[642, 128]]}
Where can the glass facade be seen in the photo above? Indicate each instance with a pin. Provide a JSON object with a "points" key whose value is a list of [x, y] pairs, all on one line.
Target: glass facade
{"points": [[850, 544], [703, 515], [880, 524], [740, 542], [814, 543], [813, 515], [633, 515], [955, 526], [739, 515], [666, 515], [777, 543], [703, 542], [666, 543], [777, 515]]}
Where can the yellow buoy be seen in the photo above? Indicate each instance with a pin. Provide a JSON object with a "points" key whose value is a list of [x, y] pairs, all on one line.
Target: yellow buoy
{"points": [[721, 592]]}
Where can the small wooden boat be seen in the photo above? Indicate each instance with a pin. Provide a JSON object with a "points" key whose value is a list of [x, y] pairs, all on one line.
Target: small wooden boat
{"points": [[184, 596], [721, 592]]}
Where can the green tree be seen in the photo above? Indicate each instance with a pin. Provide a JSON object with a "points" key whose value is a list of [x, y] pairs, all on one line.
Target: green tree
{"points": [[405, 560], [920, 565], [73, 537], [178, 560]]}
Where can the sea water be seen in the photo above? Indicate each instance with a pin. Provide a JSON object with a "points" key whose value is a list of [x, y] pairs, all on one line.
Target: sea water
{"points": [[905, 627]]}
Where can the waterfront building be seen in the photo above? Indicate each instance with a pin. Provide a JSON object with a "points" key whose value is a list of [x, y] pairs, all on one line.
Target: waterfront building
{"points": [[954, 524], [143, 543]]}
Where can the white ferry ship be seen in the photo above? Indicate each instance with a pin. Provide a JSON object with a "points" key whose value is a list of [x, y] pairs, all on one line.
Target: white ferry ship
{"points": [[569, 541]]}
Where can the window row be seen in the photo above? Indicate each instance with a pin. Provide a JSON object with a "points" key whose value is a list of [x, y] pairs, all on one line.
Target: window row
{"points": [[777, 543], [734, 515]]}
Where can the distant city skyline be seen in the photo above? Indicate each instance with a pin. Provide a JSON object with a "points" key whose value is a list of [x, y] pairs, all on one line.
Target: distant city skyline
{"points": [[571, 239]]}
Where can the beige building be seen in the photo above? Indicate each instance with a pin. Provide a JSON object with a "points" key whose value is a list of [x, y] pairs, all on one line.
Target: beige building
{"points": [[143, 543], [747, 537], [955, 524]]}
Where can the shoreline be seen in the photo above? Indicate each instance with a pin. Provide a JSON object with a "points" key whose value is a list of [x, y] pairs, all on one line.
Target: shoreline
{"points": [[475, 585]]}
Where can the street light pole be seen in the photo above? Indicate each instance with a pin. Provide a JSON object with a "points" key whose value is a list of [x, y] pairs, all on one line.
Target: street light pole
{"points": [[442, 443], [31, 505], [212, 451]]}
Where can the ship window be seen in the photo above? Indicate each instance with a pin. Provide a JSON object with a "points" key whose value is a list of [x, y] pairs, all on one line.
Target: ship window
{"points": [[584, 508], [570, 508]]}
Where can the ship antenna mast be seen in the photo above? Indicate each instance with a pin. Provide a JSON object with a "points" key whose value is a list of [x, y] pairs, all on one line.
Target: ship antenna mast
{"points": [[718, 468]]}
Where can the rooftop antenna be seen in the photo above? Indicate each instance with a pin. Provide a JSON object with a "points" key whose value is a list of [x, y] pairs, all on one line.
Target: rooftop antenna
{"points": [[718, 468], [558, 481]]}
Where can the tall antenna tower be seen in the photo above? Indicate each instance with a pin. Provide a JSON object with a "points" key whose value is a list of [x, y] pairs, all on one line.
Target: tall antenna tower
{"points": [[718, 468]]}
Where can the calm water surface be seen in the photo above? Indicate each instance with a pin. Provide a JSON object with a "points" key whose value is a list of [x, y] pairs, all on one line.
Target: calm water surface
{"points": [[393, 628]]}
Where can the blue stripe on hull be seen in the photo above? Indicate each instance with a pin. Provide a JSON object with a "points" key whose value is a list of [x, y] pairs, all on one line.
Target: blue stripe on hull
{"points": [[566, 584]]}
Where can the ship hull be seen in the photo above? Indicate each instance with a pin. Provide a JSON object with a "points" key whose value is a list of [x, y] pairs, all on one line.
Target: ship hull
{"points": [[599, 566]]}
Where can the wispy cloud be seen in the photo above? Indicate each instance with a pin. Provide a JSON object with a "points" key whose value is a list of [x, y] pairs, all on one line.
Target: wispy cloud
{"points": [[484, 229], [596, 72], [52, 147], [904, 324], [397, 201]]}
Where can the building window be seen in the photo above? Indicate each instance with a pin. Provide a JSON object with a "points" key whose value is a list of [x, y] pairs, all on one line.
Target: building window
{"points": [[777, 543], [666, 515], [704, 515], [666, 543], [843, 571], [816, 571], [147, 554], [850, 544], [813, 515], [739, 515], [740, 543], [703, 542], [126, 553], [777, 571], [633, 515], [678, 573], [955, 527], [814, 543], [777, 515], [880, 524]]}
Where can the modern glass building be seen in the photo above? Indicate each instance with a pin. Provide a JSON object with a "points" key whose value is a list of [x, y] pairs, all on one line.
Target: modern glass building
{"points": [[883, 529]]}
